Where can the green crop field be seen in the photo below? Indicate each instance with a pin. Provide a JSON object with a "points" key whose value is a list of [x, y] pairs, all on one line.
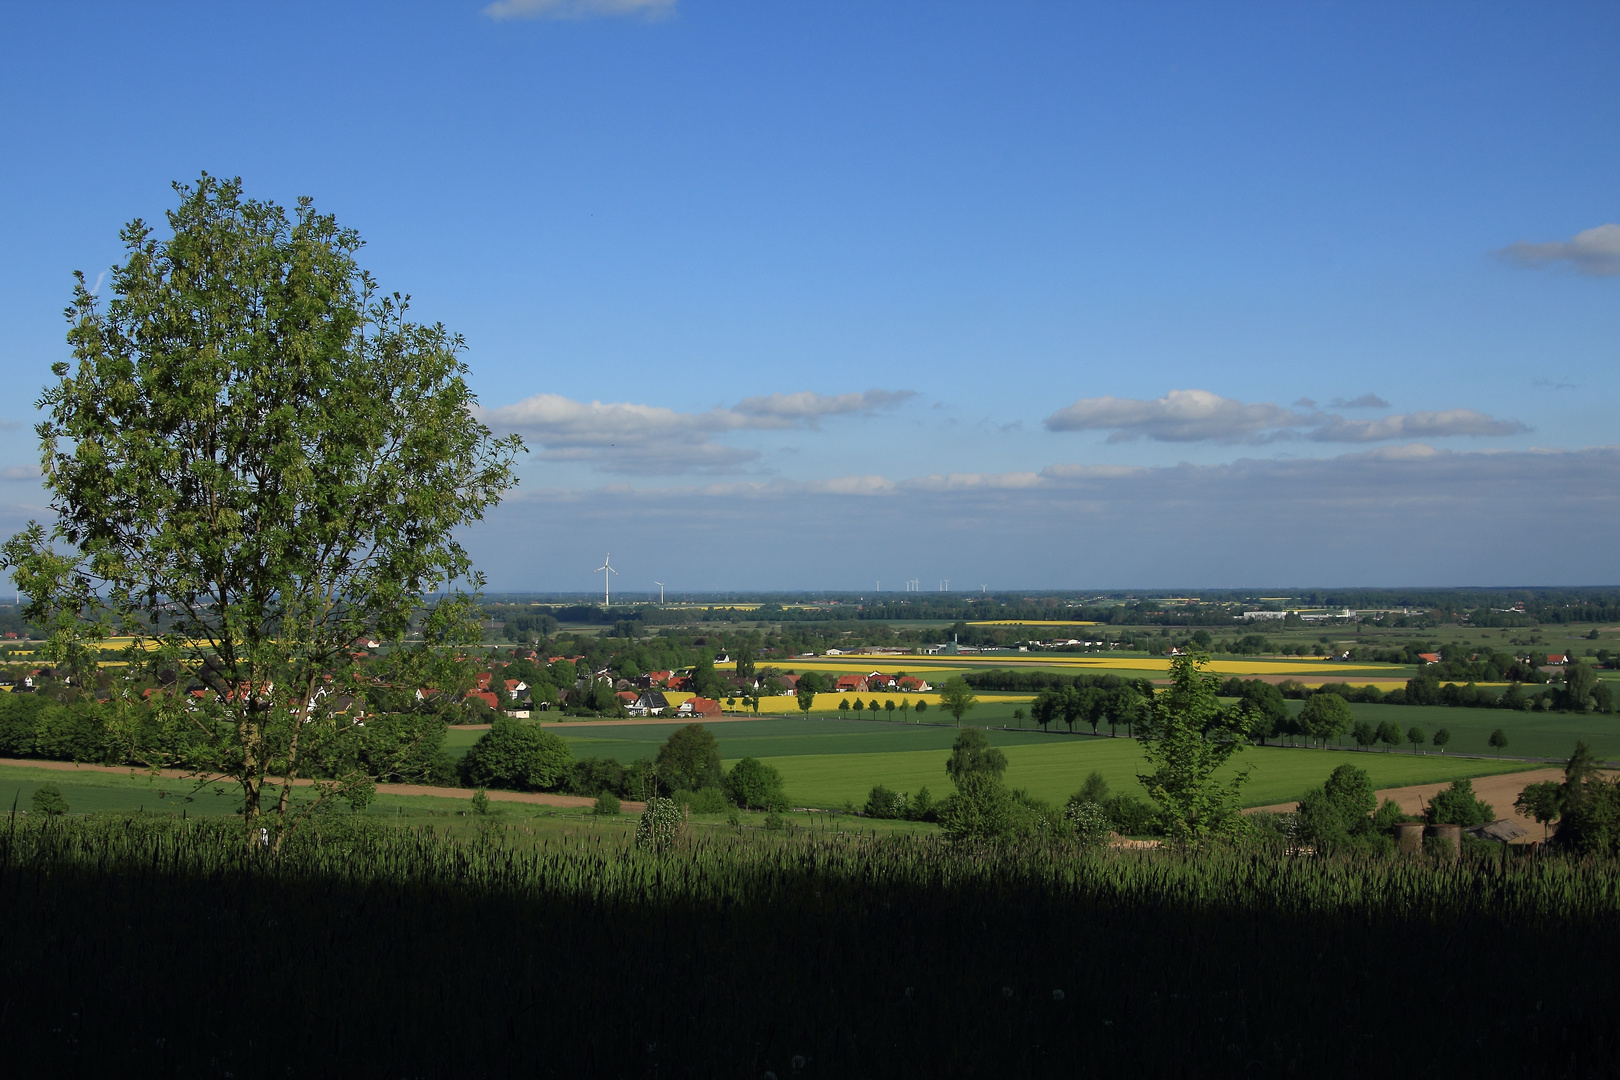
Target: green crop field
{"points": [[830, 762], [1054, 771], [1530, 734]]}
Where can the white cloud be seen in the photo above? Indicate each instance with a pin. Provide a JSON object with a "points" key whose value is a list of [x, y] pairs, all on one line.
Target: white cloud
{"points": [[1365, 401], [1200, 416], [19, 472], [578, 9], [1382, 516], [626, 437], [808, 407], [1179, 416], [1593, 251], [1418, 425]]}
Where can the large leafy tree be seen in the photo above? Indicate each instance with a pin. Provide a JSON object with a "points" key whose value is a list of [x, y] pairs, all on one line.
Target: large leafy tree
{"points": [[255, 459], [1187, 737]]}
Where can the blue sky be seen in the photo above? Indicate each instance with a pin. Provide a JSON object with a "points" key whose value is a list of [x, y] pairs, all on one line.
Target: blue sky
{"points": [[817, 295]]}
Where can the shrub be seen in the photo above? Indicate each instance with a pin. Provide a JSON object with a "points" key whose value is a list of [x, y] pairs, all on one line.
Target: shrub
{"points": [[886, 804], [708, 800], [923, 807], [48, 800], [607, 804], [1131, 816], [774, 822], [752, 784], [1089, 821], [518, 756], [660, 825], [1458, 805], [982, 809]]}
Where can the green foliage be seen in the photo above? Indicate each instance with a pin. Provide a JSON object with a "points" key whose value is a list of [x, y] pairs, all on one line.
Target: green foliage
{"points": [[689, 759], [1442, 737], [956, 697], [607, 804], [1090, 822], [972, 753], [774, 822], [1325, 716], [754, 785], [660, 825], [1094, 789], [517, 756], [1337, 814], [1458, 805], [1542, 802], [48, 800], [1187, 739], [709, 800], [922, 706], [1264, 709], [480, 803], [259, 455], [982, 809], [1498, 741], [885, 804]]}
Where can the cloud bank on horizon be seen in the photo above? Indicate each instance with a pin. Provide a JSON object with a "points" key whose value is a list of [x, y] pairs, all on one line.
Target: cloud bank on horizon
{"points": [[1200, 416]]}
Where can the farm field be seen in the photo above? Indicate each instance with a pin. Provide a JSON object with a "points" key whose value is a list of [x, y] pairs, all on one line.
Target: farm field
{"points": [[1055, 772], [1530, 734], [830, 762]]}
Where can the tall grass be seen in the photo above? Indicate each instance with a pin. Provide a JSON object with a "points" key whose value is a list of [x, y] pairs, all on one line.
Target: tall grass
{"points": [[165, 947]]}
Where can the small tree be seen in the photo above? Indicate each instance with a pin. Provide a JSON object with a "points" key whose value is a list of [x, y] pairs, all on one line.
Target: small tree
{"points": [[843, 707], [1048, 705], [1389, 733], [857, 706], [752, 784], [1415, 735], [1189, 737], [807, 697], [1325, 716], [1458, 805], [972, 753], [922, 706], [956, 697], [1018, 717], [689, 759], [888, 705], [1543, 802], [48, 800], [1364, 733], [257, 459], [660, 825], [1498, 741], [1442, 737]]}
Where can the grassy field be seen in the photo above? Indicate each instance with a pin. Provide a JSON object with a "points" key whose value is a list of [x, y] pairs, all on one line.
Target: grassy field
{"points": [[831, 762], [1530, 734], [1055, 771]]}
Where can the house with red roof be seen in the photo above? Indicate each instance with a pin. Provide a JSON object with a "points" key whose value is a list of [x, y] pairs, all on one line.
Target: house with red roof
{"points": [[700, 706], [1429, 657], [910, 684], [853, 684]]}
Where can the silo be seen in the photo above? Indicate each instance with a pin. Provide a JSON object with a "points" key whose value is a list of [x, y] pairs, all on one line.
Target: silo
{"points": [[1409, 837]]}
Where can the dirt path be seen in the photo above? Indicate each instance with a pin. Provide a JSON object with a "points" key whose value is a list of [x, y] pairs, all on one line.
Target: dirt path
{"points": [[538, 798], [1499, 791]]}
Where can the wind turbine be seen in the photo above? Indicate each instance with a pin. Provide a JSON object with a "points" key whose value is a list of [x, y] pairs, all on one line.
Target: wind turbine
{"points": [[660, 585], [605, 570]]}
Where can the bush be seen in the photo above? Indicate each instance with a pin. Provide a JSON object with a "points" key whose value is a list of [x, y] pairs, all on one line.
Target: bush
{"points": [[660, 825], [607, 804], [517, 756], [1458, 805], [885, 804], [1131, 816], [1089, 821], [982, 809], [923, 807], [774, 822], [48, 800], [709, 800], [752, 784]]}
